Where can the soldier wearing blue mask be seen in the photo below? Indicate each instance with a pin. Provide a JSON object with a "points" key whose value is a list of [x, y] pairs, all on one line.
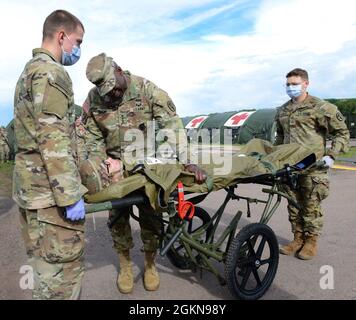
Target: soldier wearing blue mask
{"points": [[72, 57], [47, 185], [308, 120]]}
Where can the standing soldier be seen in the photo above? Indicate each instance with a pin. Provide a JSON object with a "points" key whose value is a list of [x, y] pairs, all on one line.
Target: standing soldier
{"points": [[4, 146], [308, 120], [47, 185], [119, 104]]}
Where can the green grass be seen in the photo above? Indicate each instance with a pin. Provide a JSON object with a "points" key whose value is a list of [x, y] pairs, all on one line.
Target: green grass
{"points": [[7, 167], [350, 154], [6, 170]]}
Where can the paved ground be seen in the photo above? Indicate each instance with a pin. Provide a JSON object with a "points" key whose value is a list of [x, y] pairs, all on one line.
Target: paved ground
{"points": [[295, 279], [353, 142]]}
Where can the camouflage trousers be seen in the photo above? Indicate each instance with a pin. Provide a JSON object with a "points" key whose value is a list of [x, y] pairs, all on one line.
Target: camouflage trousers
{"points": [[312, 189], [55, 252], [150, 224]]}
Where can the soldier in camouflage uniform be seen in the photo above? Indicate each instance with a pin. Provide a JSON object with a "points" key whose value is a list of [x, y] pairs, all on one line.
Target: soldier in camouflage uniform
{"points": [[4, 146], [119, 104], [46, 181], [308, 120]]}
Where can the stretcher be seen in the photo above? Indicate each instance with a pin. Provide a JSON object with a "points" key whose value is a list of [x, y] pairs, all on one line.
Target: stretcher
{"points": [[190, 239]]}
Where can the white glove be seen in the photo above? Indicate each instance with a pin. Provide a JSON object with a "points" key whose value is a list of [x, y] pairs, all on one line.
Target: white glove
{"points": [[329, 162]]}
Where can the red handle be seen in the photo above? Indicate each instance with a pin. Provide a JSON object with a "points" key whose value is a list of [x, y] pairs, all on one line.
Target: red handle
{"points": [[186, 209]]}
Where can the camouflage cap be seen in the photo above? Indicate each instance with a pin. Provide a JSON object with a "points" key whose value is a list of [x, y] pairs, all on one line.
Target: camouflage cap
{"points": [[90, 174], [100, 71], [95, 174]]}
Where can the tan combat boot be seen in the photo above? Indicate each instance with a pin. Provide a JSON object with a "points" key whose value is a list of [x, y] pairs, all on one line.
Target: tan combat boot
{"points": [[309, 249], [150, 277], [293, 246], [125, 277]]}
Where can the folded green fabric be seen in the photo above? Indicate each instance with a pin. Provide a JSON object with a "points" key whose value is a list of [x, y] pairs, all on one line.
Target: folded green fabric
{"points": [[159, 180]]}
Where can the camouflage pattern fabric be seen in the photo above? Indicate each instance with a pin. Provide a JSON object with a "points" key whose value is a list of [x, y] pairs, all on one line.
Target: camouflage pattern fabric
{"points": [[107, 129], [80, 131], [46, 176], [4, 146], [260, 157], [45, 171], [312, 190], [100, 71], [150, 224], [142, 103], [55, 250], [308, 124]]}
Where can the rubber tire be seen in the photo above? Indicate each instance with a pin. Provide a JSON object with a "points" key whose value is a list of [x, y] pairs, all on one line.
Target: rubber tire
{"points": [[233, 254], [177, 259]]}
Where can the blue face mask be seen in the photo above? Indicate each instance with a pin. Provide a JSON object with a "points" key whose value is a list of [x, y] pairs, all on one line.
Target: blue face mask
{"points": [[71, 58], [294, 91]]}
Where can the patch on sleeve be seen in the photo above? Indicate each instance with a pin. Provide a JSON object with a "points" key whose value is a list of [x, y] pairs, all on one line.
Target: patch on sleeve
{"points": [[57, 97], [63, 85], [339, 116]]}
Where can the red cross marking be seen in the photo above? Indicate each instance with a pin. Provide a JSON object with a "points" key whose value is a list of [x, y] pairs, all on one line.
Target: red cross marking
{"points": [[196, 121], [237, 118]]}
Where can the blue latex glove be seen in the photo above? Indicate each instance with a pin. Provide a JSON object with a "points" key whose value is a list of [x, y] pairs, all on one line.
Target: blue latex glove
{"points": [[75, 211]]}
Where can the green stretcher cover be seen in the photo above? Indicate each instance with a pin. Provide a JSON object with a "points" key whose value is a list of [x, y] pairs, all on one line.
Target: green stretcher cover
{"points": [[159, 180]]}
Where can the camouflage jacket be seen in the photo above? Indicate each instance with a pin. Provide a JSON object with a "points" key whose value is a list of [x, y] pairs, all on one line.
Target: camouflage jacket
{"points": [[308, 123], [110, 131], [45, 171], [80, 137]]}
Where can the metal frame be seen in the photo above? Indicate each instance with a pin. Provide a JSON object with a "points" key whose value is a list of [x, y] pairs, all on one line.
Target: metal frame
{"points": [[199, 252], [212, 248]]}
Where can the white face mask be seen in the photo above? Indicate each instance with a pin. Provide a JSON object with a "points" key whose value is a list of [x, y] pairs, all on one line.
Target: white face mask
{"points": [[294, 91]]}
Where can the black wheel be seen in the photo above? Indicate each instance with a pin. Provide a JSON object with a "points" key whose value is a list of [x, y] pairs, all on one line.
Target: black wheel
{"points": [[252, 261], [177, 254]]}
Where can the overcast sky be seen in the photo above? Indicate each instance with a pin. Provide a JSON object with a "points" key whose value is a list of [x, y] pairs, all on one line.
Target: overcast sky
{"points": [[209, 55]]}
